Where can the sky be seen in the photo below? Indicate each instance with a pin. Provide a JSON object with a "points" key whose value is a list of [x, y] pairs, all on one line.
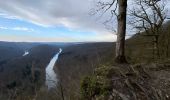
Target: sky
{"points": [[51, 21]]}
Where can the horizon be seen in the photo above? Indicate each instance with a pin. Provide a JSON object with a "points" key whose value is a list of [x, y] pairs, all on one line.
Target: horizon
{"points": [[58, 42]]}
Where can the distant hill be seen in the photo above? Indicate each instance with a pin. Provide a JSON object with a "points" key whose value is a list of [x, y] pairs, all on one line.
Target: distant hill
{"points": [[9, 50]]}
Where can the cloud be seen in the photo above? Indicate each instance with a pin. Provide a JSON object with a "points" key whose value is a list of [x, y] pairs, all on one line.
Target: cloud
{"points": [[72, 14], [4, 15], [4, 28], [23, 29], [17, 29]]}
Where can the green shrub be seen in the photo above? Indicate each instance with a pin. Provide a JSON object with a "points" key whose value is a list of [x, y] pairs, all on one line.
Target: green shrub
{"points": [[97, 84], [89, 87]]}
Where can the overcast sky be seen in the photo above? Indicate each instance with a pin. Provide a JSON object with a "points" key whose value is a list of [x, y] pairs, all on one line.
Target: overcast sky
{"points": [[51, 21]]}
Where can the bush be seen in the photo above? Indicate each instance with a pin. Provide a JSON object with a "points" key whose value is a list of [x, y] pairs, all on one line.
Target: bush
{"points": [[97, 84], [89, 87]]}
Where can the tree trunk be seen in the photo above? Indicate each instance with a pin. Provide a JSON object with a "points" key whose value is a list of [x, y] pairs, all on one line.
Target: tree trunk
{"points": [[120, 44], [167, 52]]}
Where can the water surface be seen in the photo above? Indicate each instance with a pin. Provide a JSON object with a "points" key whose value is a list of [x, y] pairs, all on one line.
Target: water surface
{"points": [[51, 77], [25, 53]]}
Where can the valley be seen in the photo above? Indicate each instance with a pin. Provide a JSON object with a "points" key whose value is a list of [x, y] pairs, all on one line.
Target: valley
{"points": [[50, 71]]}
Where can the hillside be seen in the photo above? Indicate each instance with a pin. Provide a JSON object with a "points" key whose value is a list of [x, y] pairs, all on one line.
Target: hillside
{"points": [[140, 47], [25, 74], [81, 60], [78, 61], [9, 50], [85, 69], [146, 77]]}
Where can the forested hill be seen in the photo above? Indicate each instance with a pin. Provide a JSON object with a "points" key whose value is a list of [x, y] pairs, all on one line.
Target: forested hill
{"points": [[87, 70], [80, 60], [145, 77], [140, 46]]}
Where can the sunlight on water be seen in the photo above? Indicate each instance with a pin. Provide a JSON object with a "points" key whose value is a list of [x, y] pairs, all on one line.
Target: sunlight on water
{"points": [[26, 53]]}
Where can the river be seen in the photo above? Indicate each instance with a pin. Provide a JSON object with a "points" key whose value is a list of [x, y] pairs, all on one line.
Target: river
{"points": [[51, 77], [25, 53]]}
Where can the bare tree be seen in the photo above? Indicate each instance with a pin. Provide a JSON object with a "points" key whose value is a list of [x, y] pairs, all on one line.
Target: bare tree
{"points": [[121, 32], [148, 17], [116, 8]]}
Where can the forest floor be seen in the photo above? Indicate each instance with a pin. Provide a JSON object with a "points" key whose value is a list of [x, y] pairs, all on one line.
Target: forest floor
{"points": [[130, 82]]}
